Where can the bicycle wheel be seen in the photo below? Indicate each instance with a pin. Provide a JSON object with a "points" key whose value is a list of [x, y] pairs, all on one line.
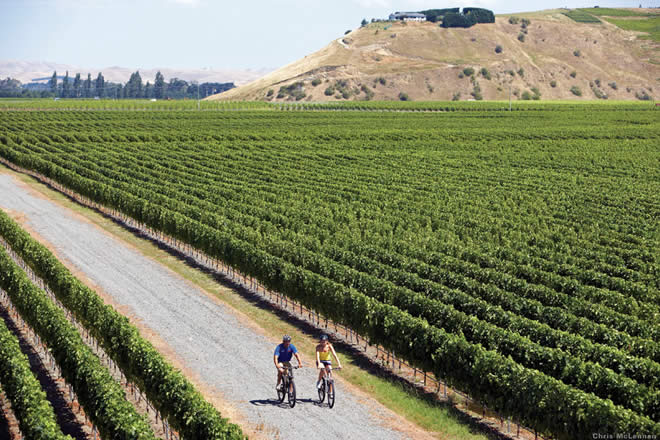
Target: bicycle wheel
{"points": [[322, 391], [281, 393], [331, 393], [292, 394]]}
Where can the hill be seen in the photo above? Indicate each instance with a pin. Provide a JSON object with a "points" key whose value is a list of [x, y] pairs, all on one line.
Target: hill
{"points": [[552, 57]]}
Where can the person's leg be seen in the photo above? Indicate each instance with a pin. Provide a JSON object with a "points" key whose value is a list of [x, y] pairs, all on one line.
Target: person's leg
{"points": [[328, 367], [279, 375], [287, 371]]}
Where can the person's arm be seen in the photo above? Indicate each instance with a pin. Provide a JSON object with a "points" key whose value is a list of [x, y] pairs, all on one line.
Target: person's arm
{"points": [[336, 357], [318, 360], [298, 358], [275, 356]]}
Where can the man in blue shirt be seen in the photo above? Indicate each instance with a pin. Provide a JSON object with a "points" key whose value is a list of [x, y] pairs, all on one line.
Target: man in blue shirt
{"points": [[282, 357]]}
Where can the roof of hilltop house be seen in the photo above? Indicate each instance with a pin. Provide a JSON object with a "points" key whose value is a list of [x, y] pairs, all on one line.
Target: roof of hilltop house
{"points": [[408, 14]]}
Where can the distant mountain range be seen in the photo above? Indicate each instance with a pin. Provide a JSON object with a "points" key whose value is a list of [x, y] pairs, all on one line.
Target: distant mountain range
{"points": [[29, 71]]}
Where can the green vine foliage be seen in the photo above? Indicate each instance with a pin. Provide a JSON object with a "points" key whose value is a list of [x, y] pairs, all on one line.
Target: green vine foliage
{"points": [[173, 395], [28, 401], [100, 395]]}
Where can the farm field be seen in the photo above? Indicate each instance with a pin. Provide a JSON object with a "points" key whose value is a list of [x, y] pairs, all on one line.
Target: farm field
{"points": [[515, 255]]}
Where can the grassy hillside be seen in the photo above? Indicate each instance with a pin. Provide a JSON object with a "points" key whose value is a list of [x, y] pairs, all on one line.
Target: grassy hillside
{"points": [[553, 57]]}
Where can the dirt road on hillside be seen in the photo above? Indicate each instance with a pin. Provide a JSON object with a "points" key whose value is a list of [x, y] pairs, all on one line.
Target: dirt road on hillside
{"points": [[230, 357]]}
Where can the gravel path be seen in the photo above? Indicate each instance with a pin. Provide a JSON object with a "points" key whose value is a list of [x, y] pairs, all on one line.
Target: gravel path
{"points": [[210, 341]]}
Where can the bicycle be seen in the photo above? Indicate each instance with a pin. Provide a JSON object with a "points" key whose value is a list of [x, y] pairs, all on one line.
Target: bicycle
{"points": [[328, 387], [288, 387]]}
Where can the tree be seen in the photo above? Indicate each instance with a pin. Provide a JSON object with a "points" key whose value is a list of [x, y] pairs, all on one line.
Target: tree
{"points": [[148, 90], [52, 83], [87, 86], [77, 87], [177, 88], [100, 86], [480, 15], [66, 86], [364, 22], [159, 86], [10, 88], [133, 88], [452, 19]]}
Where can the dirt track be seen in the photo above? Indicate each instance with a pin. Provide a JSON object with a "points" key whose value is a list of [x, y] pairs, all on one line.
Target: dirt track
{"points": [[228, 356]]}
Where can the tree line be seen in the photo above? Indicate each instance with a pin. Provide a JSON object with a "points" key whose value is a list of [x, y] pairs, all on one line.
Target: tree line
{"points": [[77, 87]]}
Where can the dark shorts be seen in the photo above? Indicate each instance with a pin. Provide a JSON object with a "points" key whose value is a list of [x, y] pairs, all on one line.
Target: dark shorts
{"points": [[328, 363]]}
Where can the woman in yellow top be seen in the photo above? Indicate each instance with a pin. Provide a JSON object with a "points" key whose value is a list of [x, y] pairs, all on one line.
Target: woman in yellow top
{"points": [[323, 360]]}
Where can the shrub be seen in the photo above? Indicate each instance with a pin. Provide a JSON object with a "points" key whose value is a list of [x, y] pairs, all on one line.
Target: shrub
{"points": [[468, 71], [577, 53], [316, 82], [553, 83], [476, 92], [576, 91], [513, 20], [430, 87], [536, 93], [329, 91], [613, 85], [460, 75], [404, 96], [573, 74], [511, 72], [382, 81], [485, 73], [498, 49], [598, 93], [521, 72], [521, 37], [294, 90], [369, 94], [597, 81], [643, 96], [526, 22], [347, 32], [270, 93], [456, 97], [526, 96]]}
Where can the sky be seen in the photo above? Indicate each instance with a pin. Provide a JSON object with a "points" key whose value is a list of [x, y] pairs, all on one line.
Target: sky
{"points": [[187, 34]]}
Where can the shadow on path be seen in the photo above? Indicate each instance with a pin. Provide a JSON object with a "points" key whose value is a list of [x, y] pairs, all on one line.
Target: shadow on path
{"points": [[275, 402]]}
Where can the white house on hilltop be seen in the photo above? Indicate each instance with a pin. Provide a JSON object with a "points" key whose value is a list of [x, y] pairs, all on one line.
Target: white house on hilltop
{"points": [[408, 16]]}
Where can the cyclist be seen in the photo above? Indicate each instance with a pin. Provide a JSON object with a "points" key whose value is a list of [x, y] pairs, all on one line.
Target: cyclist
{"points": [[282, 357], [323, 352]]}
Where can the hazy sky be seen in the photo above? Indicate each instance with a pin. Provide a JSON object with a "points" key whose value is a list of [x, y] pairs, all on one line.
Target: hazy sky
{"points": [[204, 33]]}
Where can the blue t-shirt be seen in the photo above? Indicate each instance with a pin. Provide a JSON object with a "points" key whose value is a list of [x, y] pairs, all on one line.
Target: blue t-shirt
{"points": [[284, 354]]}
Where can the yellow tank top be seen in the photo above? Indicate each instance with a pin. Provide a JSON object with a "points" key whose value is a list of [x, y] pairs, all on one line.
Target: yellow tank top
{"points": [[324, 355]]}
